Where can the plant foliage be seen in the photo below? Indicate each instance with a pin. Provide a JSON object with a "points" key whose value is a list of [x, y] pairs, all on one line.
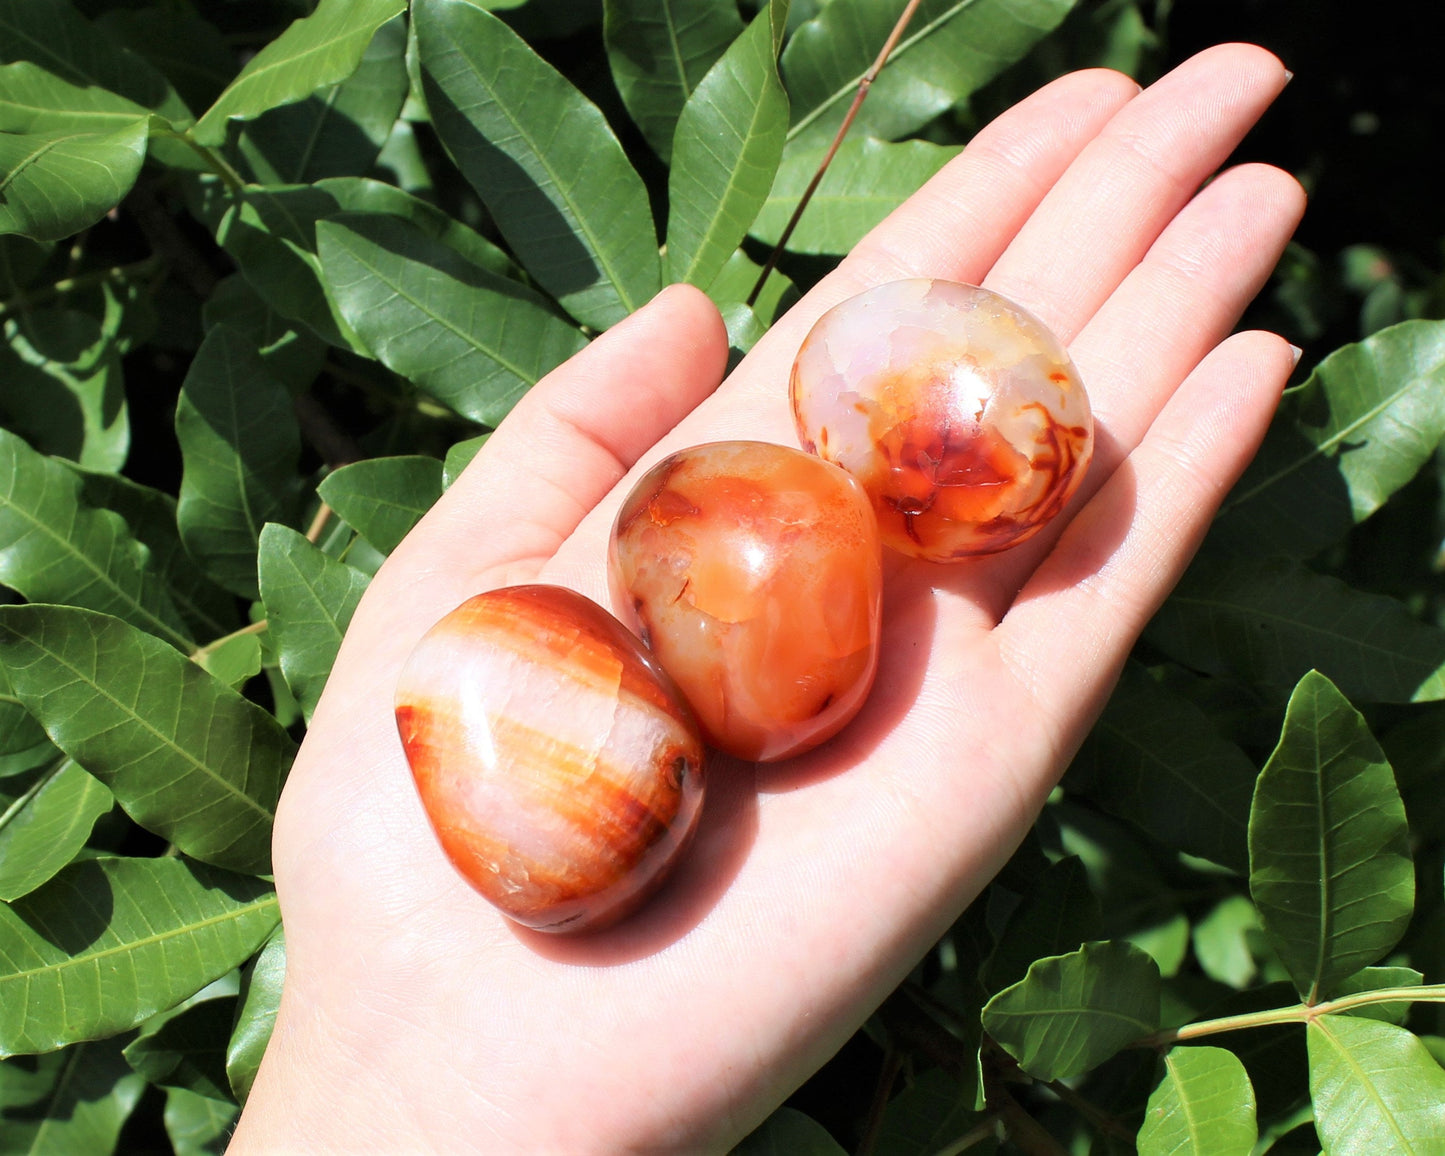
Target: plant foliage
{"points": [[269, 275]]}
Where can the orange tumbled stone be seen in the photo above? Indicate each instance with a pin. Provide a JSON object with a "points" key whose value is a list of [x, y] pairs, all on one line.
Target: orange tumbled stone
{"points": [[754, 572], [556, 762], [958, 411]]}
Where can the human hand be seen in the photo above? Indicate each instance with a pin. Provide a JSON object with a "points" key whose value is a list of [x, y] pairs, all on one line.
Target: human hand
{"points": [[416, 1017]]}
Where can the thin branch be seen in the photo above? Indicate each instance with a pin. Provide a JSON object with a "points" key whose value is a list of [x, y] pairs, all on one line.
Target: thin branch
{"points": [[864, 84], [203, 652], [24, 300], [1101, 1120], [318, 523], [892, 1065], [167, 240], [986, 1129]]}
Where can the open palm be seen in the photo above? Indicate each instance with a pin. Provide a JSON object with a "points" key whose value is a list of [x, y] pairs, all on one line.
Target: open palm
{"points": [[416, 1017]]}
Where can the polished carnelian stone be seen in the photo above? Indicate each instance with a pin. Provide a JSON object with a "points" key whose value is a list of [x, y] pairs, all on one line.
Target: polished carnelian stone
{"points": [[958, 411], [554, 758], [754, 573]]}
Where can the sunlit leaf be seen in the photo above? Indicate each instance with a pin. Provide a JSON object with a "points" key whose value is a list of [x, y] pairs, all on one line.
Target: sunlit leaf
{"points": [[1375, 1089], [726, 150], [55, 548], [1204, 1106], [1072, 1012], [42, 830], [309, 602], [735, 281], [865, 181], [110, 942], [1272, 622], [260, 999], [544, 160], [55, 184], [383, 498], [320, 50], [186, 756], [198, 1125], [472, 339], [460, 456], [33, 100], [1329, 851], [658, 51], [240, 445]]}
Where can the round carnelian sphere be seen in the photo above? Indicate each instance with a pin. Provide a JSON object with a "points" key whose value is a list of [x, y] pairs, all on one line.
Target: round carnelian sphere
{"points": [[556, 761], [958, 411], [755, 575]]}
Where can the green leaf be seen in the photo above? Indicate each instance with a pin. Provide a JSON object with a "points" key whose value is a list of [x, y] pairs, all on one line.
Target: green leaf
{"points": [[927, 1118], [292, 353], [787, 1132], [43, 829], [543, 158], [1204, 1106], [1156, 760], [1375, 979], [383, 498], [239, 446], [57, 38], [336, 131], [309, 602], [726, 150], [459, 457], [151, 516], [1271, 622], [474, 340], [33, 100], [1375, 1089], [198, 1125], [188, 1051], [108, 943], [191, 53], [1072, 1012], [1368, 418], [55, 548], [320, 50], [1056, 916], [866, 181], [61, 387], [734, 283], [260, 999], [659, 50], [949, 50], [233, 660], [1221, 941], [56, 184], [186, 756], [1329, 853], [67, 1103]]}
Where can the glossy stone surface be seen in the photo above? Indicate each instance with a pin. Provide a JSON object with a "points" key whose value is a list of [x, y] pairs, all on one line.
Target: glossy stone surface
{"points": [[959, 412], [555, 760], [755, 575]]}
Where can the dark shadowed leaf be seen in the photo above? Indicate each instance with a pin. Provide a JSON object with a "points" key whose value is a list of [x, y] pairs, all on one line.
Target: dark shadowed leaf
{"points": [[1375, 1089], [1272, 621], [108, 943], [383, 498], [309, 602], [1376, 979], [1329, 854], [186, 756], [474, 340], [260, 999], [189, 1050], [43, 829], [1156, 760], [928, 1117], [55, 548], [726, 150], [292, 353], [1368, 418], [1072, 1012], [866, 181], [198, 1125], [337, 131], [240, 446], [1204, 1106], [56, 184], [321, 50], [67, 1103], [788, 1132], [950, 49], [1056, 916], [659, 50], [191, 53], [544, 160]]}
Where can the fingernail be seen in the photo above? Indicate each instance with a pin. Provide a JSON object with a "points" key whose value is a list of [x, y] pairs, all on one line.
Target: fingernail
{"points": [[1288, 75], [1298, 353]]}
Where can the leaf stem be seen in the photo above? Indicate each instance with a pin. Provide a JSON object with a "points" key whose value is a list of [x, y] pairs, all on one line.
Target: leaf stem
{"points": [[202, 652], [1299, 1013], [214, 161], [983, 1130], [865, 82], [873, 1125], [318, 523]]}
